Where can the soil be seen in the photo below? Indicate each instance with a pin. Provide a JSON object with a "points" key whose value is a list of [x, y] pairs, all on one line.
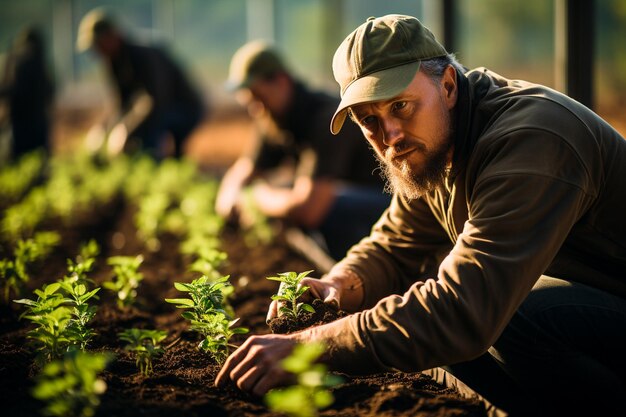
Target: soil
{"points": [[324, 313], [182, 382]]}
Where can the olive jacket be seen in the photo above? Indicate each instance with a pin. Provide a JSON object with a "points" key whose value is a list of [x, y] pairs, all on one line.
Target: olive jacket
{"points": [[537, 187]]}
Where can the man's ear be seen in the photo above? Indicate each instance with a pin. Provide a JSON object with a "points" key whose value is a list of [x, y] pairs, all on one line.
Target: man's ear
{"points": [[449, 86]]}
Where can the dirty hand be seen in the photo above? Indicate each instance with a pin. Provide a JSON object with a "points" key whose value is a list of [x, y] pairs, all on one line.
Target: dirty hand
{"points": [[327, 291], [255, 366]]}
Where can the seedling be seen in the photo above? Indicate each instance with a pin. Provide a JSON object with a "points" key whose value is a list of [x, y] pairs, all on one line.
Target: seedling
{"points": [[311, 393], [126, 278], [71, 387], [51, 337], [217, 330], [145, 345], [14, 273], [82, 313], [78, 270], [205, 297], [289, 292], [208, 261], [207, 314]]}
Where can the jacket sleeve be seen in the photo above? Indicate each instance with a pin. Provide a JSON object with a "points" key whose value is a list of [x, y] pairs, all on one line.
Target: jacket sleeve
{"points": [[520, 213], [405, 245]]}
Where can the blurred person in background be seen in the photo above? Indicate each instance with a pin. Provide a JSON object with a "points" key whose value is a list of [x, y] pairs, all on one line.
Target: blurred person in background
{"points": [[334, 195], [500, 266], [156, 100], [27, 91]]}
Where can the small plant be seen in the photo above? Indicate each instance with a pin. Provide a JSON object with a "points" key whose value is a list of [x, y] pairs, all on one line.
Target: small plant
{"points": [[80, 334], [289, 292], [208, 261], [71, 387], [50, 337], [207, 314], [14, 273], [311, 393], [126, 278], [145, 345], [217, 330]]}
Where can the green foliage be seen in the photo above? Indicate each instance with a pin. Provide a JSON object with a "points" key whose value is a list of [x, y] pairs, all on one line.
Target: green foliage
{"points": [[77, 297], [289, 292], [311, 392], [207, 314], [15, 179], [126, 278], [78, 270], [256, 226], [208, 262], [217, 330], [71, 387], [14, 272], [51, 337], [145, 345]]}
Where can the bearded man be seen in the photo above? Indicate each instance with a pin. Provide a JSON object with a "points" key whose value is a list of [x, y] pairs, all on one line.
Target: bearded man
{"points": [[499, 267]]}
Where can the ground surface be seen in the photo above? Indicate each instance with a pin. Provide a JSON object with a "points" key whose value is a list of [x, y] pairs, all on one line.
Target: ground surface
{"points": [[182, 383]]}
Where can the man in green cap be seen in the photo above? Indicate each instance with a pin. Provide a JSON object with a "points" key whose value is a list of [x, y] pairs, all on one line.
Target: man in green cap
{"points": [[155, 97], [499, 266], [333, 194]]}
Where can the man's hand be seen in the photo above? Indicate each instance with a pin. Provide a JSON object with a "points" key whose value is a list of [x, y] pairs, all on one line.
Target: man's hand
{"points": [[255, 366]]}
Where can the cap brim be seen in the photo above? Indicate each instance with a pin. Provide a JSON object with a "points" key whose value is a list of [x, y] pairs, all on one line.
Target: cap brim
{"points": [[381, 85]]}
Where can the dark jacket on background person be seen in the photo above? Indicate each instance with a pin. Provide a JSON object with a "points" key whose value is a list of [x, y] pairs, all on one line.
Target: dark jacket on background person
{"points": [[305, 128], [176, 106], [28, 89], [536, 187]]}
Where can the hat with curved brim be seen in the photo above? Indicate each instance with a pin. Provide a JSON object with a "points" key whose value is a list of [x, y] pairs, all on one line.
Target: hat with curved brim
{"points": [[254, 60], [379, 60]]}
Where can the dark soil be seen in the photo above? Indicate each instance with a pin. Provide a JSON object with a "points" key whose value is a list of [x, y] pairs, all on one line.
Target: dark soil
{"points": [[324, 313], [182, 382]]}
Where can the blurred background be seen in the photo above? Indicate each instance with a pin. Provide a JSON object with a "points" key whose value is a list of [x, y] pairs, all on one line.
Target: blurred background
{"points": [[524, 39]]}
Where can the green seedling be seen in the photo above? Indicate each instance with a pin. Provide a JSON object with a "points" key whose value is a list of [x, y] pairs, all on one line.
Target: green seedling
{"points": [[208, 262], [14, 273], [289, 292], [145, 345], [78, 297], [71, 387], [205, 297], [311, 393], [256, 225], [51, 337], [126, 278], [207, 314], [217, 330]]}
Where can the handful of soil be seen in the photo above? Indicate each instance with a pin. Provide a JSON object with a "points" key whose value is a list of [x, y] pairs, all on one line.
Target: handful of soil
{"points": [[324, 313]]}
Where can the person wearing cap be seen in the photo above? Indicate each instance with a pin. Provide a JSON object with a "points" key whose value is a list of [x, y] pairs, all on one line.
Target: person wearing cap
{"points": [[499, 267], [156, 99], [334, 194]]}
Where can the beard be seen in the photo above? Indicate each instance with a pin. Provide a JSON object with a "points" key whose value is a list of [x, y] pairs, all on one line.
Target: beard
{"points": [[412, 182]]}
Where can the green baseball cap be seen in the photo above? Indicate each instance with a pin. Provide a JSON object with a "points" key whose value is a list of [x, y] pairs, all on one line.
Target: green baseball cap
{"points": [[379, 60], [253, 61], [93, 25]]}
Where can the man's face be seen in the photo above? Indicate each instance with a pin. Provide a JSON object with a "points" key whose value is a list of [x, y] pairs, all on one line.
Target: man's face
{"points": [[271, 95], [412, 133]]}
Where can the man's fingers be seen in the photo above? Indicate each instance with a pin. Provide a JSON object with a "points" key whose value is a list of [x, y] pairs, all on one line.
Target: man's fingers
{"points": [[273, 378], [232, 361], [333, 297], [272, 311]]}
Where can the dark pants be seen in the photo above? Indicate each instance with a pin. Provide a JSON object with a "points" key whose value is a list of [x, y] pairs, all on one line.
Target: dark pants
{"points": [[178, 121], [562, 354], [351, 217]]}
